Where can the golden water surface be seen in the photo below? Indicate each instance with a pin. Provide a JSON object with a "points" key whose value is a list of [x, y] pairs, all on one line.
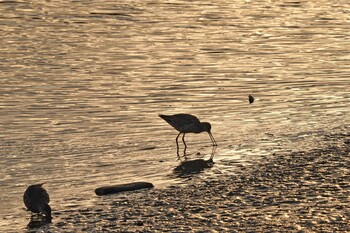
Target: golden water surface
{"points": [[82, 83]]}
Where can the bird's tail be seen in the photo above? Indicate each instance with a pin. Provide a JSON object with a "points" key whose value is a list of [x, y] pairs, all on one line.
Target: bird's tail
{"points": [[165, 117]]}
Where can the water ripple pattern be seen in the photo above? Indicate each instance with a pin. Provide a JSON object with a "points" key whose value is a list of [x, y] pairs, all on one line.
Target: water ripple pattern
{"points": [[82, 83]]}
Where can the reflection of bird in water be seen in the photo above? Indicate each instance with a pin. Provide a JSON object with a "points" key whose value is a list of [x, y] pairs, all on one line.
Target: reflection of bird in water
{"points": [[186, 123], [36, 199], [37, 223], [251, 99], [188, 168]]}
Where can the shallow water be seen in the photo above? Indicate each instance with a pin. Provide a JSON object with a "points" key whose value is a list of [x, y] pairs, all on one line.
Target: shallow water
{"points": [[81, 85]]}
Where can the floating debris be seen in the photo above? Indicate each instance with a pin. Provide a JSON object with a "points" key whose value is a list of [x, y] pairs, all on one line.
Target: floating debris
{"points": [[251, 99]]}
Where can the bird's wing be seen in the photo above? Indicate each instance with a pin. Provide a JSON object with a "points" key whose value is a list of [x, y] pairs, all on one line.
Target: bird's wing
{"points": [[184, 122], [44, 195], [186, 119], [181, 122]]}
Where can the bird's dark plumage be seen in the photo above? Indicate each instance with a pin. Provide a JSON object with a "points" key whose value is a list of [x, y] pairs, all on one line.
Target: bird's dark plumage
{"points": [[36, 199], [186, 123], [183, 123]]}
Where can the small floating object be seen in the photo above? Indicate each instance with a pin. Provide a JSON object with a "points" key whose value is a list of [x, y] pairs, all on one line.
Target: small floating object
{"points": [[251, 99], [122, 188]]}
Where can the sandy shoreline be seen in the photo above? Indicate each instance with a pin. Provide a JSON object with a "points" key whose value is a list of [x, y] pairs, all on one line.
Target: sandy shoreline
{"points": [[297, 192]]}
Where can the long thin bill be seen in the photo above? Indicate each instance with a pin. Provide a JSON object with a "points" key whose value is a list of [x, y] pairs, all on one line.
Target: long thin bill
{"points": [[212, 139]]}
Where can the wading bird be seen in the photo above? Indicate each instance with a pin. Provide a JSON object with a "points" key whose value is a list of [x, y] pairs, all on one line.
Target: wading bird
{"points": [[36, 199], [186, 123]]}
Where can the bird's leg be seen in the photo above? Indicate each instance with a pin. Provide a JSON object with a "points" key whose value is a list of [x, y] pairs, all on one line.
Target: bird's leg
{"points": [[177, 146], [213, 152], [183, 139]]}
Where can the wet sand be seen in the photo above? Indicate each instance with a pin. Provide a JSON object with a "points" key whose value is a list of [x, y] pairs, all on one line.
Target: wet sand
{"points": [[305, 191]]}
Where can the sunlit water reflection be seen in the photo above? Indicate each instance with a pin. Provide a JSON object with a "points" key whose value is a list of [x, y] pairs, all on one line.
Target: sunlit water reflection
{"points": [[81, 85]]}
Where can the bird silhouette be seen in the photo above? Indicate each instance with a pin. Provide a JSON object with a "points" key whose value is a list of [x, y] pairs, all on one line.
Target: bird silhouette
{"points": [[186, 123], [36, 199]]}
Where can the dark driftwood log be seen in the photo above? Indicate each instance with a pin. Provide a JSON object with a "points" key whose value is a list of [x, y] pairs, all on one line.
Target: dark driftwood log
{"points": [[122, 188]]}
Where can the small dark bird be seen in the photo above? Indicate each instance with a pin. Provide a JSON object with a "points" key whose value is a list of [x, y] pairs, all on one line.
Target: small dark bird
{"points": [[36, 199], [251, 99], [186, 123]]}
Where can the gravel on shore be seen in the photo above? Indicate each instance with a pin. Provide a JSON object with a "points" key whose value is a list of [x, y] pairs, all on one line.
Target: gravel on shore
{"points": [[297, 192]]}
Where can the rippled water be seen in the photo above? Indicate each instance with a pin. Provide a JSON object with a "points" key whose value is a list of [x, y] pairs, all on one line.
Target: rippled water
{"points": [[82, 82]]}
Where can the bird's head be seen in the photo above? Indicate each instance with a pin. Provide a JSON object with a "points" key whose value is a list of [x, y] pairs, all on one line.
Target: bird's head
{"points": [[206, 126], [47, 212]]}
